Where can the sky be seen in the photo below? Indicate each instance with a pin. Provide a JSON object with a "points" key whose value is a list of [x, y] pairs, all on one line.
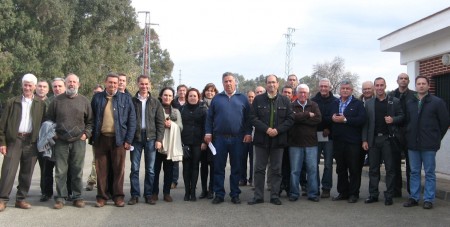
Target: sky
{"points": [[206, 38]]}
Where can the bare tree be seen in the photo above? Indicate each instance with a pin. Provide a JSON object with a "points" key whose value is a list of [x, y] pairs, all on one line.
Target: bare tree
{"points": [[334, 71]]}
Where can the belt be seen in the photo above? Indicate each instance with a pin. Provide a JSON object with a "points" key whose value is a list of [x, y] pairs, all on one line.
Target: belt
{"points": [[23, 134]]}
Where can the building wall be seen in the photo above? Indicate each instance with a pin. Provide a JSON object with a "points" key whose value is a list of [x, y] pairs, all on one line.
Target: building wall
{"points": [[433, 67]]}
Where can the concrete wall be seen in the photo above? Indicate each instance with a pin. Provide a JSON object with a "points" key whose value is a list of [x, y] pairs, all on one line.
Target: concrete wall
{"points": [[443, 155]]}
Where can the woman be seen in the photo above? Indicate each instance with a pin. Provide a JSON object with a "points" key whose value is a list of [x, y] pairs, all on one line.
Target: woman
{"points": [[171, 150], [193, 115], [206, 157]]}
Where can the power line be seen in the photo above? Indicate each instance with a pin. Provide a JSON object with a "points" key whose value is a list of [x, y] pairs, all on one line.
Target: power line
{"points": [[289, 46]]}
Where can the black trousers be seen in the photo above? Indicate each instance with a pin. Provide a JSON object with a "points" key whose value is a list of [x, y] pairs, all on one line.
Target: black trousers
{"points": [[381, 151], [190, 169], [161, 161], [349, 159], [207, 167]]}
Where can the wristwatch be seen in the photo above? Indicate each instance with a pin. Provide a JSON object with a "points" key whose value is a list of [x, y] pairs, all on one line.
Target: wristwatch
{"points": [[345, 120]]}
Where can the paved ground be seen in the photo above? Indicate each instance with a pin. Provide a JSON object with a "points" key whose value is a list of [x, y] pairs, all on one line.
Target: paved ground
{"points": [[203, 213]]}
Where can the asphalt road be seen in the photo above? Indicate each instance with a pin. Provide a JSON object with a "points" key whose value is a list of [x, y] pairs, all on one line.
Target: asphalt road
{"points": [[203, 213]]}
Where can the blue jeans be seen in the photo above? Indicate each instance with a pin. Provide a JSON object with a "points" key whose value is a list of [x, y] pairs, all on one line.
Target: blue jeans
{"points": [[224, 145], [149, 160], [325, 148], [298, 156], [428, 158]]}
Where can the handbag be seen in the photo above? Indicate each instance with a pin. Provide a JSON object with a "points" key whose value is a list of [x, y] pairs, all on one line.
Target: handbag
{"points": [[186, 152]]}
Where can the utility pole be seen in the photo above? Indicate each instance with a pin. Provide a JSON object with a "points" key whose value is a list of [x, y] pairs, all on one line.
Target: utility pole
{"points": [[146, 68], [289, 46], [179, 78]]}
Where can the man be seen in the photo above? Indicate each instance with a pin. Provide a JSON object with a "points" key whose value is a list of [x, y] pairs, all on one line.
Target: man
{"points": [[303, 144], [73, 117], [383, 115], [228, 121], [113, 131], [260, 90], [288, 91], [19, 130], [325, 99], [367, 93], [122, 87], [405, 95], [247, 154], [92, 178], [178, 103], [149, 135], [348, 118], [292, 81], [42, 90], [428, 121], [272, 117], [58, 87]]}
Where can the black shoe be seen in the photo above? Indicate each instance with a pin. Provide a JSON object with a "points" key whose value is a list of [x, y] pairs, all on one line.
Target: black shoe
{"points": [[242, 183], [255, 201], [133, 200], [388, 201], [397, 194], [275, 201], [203, 195], [44, 198], [371, 199], [186, 197], [236, 200], [314, 199], [353, 199], [193, 197], [325, 193], [217, 200], [293, 199], [340, 197], [210, 195], [410, 203], [427, 205]]}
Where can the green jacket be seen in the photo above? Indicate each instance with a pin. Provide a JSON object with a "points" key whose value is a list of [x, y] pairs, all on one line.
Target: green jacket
{"points": [[11, 117]]}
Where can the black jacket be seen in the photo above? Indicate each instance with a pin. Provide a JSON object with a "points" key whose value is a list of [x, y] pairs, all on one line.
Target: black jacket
{"points": [[260, 118], [426, 126], [154, 121], [325, 106], [194, 117]]}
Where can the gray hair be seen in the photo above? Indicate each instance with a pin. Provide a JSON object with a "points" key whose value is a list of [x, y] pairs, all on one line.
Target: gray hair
{"points": [[346, 82], [304, 86], [326, 80]]}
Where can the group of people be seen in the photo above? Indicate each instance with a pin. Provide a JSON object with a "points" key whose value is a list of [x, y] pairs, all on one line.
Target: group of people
{"points": [[283, 133]]}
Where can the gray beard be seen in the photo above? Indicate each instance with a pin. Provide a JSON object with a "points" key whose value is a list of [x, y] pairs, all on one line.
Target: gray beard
{"points": [[72, 91]]}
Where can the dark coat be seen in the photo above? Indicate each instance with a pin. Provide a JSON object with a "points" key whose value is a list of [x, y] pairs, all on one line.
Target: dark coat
{"points": [[11, 117], [394, 110], [426, 126], [351, 131], [194, 117], [304, 131], [124, 116], [154, 121], [260, 118], [325, 106]]}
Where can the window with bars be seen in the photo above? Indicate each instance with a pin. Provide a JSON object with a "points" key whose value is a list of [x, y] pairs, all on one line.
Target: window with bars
{"points": [[442, 84]]}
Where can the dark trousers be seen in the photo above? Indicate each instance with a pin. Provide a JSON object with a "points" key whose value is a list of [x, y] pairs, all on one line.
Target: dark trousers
{"points": [[22, 152], [349, 159], [285, 172], [167, 165], [381, 151], [46, 166], [397, 162], [262, 158], [207, 159], [109, 157], [191, 169], [247, 154]]}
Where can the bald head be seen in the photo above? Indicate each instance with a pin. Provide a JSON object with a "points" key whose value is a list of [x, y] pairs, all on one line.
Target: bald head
{"points": [[367, 89]]}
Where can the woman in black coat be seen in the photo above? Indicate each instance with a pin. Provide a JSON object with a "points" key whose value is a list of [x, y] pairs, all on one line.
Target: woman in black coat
{"points": [[193, 115]]}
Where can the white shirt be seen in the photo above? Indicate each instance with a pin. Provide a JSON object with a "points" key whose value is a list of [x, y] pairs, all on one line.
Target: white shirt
{"points": [[143, 104], [25, 122]]}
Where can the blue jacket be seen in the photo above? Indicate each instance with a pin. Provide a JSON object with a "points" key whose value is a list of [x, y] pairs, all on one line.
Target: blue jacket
{"points": [[124, 116], [355, 113], [426, 126], [228, 116]]}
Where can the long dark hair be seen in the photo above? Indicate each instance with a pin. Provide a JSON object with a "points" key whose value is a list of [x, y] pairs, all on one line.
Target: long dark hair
{"points": [[173, 117]]}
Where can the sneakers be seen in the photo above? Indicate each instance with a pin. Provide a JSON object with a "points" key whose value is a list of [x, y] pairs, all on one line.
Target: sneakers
{"points": [[78, 203], [411, 203], [58, 205]]}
